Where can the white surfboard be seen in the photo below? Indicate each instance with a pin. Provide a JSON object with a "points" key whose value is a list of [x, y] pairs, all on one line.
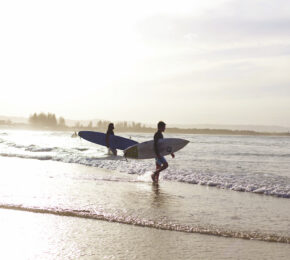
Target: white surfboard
{"points": [[145, 150]]}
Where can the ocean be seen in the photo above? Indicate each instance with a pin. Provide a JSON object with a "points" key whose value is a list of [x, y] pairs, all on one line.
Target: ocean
{"points": [[257, 164], [234, 187]]}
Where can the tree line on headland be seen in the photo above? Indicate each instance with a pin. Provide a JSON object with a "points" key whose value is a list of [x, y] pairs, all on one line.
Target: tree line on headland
{"points": [[50, 120], [47, 120]]}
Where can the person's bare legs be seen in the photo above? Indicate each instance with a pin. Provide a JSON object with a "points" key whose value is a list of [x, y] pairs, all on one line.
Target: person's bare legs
{"points": [[113, 151], [155, 175]]}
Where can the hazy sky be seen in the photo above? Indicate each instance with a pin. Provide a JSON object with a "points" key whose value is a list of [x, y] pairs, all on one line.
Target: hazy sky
{"points": [[187, 62]]}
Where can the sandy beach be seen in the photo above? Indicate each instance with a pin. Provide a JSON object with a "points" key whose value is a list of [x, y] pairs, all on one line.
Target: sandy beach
{"points": [[55, 210]]}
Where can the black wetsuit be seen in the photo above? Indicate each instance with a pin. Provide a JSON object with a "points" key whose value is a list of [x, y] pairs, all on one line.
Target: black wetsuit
{"points": [[110, 132], [159, 159], [158, 135]]}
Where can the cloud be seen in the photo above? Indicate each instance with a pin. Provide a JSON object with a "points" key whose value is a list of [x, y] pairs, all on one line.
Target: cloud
{"points": [[232, 21], [239, 49]]}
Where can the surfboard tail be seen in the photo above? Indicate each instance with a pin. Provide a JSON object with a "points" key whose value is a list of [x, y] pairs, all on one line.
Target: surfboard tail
{"points": [[131, 152]]}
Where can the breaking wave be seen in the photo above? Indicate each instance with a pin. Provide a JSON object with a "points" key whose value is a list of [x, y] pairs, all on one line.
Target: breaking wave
{"points": [[243, 171]]}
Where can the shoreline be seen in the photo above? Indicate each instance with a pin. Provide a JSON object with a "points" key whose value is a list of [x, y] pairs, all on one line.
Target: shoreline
{"points": [[253, 236]]}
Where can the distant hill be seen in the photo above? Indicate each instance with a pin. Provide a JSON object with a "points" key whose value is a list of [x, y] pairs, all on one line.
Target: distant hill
{"points": [[24, 120], [15, 119], [256, 128]]}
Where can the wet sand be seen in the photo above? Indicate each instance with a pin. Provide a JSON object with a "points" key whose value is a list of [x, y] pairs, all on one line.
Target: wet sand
{"points": [[26, 235], [66, 211]]}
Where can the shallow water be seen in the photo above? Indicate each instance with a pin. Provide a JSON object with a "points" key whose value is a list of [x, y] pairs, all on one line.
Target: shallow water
{"points": [[86, 192]]}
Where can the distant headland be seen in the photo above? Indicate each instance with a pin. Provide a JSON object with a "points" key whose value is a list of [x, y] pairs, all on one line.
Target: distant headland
{"points": [[49, 121]]}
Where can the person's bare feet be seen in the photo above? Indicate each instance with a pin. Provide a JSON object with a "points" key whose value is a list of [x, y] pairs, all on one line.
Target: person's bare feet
{"points": [[155, 177]]}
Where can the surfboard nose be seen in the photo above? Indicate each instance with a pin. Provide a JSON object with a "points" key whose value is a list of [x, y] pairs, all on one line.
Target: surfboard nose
{"points": [[184, 142]]}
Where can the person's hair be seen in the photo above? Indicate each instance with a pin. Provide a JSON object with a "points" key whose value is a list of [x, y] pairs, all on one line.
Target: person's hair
{"points": [[161, 124], [110, 126]]}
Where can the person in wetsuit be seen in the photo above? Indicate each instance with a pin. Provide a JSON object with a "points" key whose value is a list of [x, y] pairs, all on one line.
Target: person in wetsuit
{"points": [[161, 163], [110, 132]]}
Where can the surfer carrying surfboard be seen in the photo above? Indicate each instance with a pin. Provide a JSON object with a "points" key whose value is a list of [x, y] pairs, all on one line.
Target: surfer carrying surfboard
{"points": [[108, 134], [161, 163]]}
